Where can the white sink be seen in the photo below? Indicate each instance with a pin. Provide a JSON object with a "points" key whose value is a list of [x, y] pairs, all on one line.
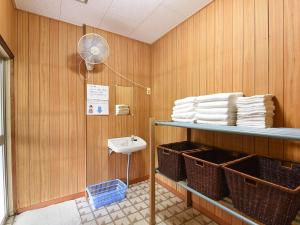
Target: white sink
{"points": [[126, 145]]}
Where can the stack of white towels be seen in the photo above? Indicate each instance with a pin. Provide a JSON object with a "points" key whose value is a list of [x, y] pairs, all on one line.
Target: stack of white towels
{"points": [[184, 110], [219, 109], [122, 109], [255, 111]]}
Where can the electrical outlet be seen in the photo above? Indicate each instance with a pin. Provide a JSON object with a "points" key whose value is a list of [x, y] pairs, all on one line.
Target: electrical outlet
{"points": [[148, 91]]}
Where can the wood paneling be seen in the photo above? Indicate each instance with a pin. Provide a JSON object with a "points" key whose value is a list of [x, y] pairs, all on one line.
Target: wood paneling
{"points": [[232, 45], [58, 150], [8, 24], [131, 58], [49, 109]]}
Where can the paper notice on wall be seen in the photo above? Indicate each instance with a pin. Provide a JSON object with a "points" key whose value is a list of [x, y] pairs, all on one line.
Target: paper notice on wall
{"points": [[97, 100]]}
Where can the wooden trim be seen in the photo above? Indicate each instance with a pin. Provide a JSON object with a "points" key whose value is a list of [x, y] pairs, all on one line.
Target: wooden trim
{"points": [[69, 197], [52, 202], [6, 48], [140, 179]]}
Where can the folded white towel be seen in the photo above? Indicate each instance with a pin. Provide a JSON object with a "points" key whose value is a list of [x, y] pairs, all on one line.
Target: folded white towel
{"points": [[255, 124], [187, 115], [214, 117], [183, 120], [183, 106], [122, 106], [226, 123], [259, 104], [219, 97], [255, 114], [185, 100], [255, 109], [215, 110], [256, 98], [217, 104], [183, 110]]}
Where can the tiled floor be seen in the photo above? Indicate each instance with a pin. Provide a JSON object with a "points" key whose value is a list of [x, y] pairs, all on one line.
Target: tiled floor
{"points": [[134, 209]]}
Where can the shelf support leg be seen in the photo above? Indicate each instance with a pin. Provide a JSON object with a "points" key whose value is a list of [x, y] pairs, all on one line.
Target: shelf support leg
{"points": [[188, 198], [152, 171]]}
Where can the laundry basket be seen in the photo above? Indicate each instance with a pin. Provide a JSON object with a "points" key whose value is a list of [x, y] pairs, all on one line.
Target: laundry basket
{"points": [[265, 189], [106, 193], [205, 173], [170, 159]]}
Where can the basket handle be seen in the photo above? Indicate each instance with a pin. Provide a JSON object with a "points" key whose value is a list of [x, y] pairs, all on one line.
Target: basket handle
{"points": [[199, 163], [250, 182], [166, 152], [287, 165]]}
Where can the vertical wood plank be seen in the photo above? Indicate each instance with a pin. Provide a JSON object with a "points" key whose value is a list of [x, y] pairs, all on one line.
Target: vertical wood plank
{"points": [[276, 73], [81, 123], [291, 73], [44, 108], [22, 113], [248, 74], [261, 82], [34, 109], [72, 108], [63, 109], [54, 127]]}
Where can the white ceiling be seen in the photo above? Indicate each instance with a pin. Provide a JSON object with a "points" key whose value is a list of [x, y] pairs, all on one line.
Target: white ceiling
{"points": [[143, 20]]}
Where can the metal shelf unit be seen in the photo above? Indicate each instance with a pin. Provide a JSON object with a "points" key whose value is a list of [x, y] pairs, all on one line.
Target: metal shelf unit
{"points": [[277, 133]]}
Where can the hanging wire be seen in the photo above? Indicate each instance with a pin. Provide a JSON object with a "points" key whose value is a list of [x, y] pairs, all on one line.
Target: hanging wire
{"points": [[125, 78], [82, 77], [86, 78]]}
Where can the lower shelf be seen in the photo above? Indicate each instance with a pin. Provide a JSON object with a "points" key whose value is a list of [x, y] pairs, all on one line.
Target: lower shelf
{"points": [[224, 204]]}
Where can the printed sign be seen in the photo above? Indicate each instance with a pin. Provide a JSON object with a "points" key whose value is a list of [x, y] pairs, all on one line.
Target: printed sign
{"points": [[97, 99]]}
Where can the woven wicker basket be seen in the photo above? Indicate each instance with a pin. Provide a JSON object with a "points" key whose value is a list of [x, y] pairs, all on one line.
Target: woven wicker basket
{"points": [[205, 173], [265, 189], [170, 159]]}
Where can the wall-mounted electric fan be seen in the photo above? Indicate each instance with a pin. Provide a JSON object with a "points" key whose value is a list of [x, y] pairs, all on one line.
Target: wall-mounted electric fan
{"points": [[94, 49]]}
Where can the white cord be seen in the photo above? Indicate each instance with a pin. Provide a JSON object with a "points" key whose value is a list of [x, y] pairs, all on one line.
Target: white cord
{"points": [[125, 78], [82, 77], [117, 73]]}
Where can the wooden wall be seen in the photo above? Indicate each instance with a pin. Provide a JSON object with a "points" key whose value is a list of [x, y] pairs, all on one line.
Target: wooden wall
{"points": [[49, 131], [58, 150], [131, 58], [232, 45], [8, 23]]}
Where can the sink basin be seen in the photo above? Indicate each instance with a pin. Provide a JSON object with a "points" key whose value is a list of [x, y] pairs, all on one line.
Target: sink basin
{"points": [[126, 145]]}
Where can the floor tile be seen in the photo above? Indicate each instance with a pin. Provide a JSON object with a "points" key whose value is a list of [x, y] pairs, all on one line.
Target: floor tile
{"points": [[87, 217], [123, 221], [93, 222], [117, 215], [104, 220], [113, 208], [135, 217], [100, 212], [129, 210]]}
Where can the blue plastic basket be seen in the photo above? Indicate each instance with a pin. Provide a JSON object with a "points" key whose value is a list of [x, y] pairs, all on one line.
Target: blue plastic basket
{"points": [[106, 193]]}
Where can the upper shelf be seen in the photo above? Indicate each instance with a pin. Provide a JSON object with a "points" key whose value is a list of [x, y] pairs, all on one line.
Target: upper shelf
{"points": [[278, 133]]}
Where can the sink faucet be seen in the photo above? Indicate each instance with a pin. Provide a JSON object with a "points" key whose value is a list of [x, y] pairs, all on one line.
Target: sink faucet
{"points": [[133, 138]]}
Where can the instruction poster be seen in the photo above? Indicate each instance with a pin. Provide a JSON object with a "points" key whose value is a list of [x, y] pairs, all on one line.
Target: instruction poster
{"points": [[97, 99]]}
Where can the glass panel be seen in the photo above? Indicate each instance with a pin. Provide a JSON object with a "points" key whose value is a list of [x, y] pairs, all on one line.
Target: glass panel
{"points": [[3, 193], [1, 98], [2, 185]]}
